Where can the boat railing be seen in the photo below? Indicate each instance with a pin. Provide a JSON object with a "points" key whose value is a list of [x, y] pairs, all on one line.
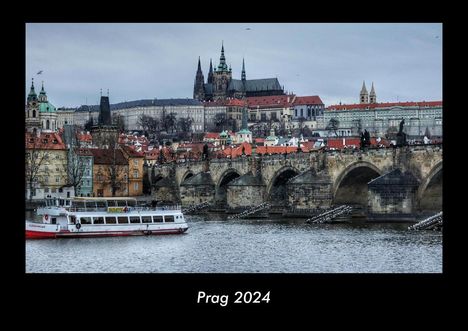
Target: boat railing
{"points": [[124, 209]]}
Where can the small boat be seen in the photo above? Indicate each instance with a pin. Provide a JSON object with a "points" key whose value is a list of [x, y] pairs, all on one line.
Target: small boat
{"points": [[103, 217]]}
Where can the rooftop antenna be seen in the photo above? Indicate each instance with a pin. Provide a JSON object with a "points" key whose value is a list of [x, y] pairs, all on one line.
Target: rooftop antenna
{"points": [[101, 92]]}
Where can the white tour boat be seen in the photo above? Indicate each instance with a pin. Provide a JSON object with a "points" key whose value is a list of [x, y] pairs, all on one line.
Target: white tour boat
{"points": [[102, 217]]}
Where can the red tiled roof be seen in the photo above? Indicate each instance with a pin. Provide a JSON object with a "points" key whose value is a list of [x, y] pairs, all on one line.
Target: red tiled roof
{"points": [[46, 140], [130, 150], [237, 151], [271, 101], [83, 152], [84, 137], [211, 135], [278, 149], [385, 105], [308, 100], [106, 156]]}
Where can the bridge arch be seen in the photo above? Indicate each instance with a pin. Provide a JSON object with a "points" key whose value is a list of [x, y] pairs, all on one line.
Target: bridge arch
{"points": [[429, 196], [187, 175], [221, 186], [276, 189], [351, 185]]}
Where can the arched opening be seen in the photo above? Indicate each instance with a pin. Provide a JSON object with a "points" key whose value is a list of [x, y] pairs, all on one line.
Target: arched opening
{"points": [[352, 187], [47, 125], [278, 193], [431, 195], [34, 113], [187, 176], [221, 189]]}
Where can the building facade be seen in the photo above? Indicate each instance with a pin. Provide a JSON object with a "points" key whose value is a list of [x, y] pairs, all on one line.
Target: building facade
{"points": [[381, 118], [46, 166], [135, 170], [110, 173]]}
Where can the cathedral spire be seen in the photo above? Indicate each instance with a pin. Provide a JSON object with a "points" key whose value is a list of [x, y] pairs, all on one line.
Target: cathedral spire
{"points": [[243, 70], [199, 65], [222, 60], [210, 73], [198, 89], [364, 96], [372, 95]]}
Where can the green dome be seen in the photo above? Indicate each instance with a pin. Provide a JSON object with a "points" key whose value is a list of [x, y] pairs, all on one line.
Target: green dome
{"points": [[244, 131], [223, 134], [46, 107]]}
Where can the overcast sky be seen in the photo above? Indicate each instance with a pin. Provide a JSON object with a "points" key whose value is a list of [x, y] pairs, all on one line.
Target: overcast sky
{"points": [[144, 61]]}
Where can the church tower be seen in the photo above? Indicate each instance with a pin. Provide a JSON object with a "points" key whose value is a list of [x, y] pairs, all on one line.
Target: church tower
{"points": [[32, 121], [372, 95], [221, 78], [364, 96], [210, 74], [198, 90]]}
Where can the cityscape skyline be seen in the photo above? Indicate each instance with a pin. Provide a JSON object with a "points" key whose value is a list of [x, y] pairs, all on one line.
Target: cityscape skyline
{"points": [[144, 61]]}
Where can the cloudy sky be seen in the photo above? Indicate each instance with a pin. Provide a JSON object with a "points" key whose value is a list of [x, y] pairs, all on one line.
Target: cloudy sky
{"points": [[143, 61]]}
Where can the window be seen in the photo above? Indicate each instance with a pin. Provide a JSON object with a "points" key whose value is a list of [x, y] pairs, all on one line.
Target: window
{"points": [[135, 186], [122, 220], [157, 219], [85, 220], [135, 163], [135, 173], [57, 179], [168, 218], [135, 219], [46, 190], [146, 219], [110, 220], [98, 220]]}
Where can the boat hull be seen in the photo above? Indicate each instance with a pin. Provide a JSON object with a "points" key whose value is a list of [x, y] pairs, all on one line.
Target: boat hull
{"points": [[32, 234]]}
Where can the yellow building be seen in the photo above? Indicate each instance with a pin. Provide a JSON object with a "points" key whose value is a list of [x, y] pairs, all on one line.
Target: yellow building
{"points": [[110, 170], [46, 166], [135, 170]]}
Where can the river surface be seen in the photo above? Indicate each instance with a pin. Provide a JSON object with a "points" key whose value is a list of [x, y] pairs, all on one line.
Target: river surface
{"points": [[213, 244]]}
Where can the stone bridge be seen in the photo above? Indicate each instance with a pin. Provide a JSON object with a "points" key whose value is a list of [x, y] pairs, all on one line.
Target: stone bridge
{"points": [[386, 180]]}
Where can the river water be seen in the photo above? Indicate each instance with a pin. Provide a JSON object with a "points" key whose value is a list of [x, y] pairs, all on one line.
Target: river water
{"points": [[213, 244]]}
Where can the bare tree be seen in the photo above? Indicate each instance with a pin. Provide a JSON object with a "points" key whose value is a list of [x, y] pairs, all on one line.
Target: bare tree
{"points": [[35, 157], [149, 124], [118, 120], [169, 122], [301, 122], [333, 125], [76, 167], [89, 124], [184, 127]]}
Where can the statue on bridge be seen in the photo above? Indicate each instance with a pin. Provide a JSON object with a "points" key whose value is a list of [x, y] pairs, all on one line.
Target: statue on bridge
{"points": [[401, 136], [365, 139]]}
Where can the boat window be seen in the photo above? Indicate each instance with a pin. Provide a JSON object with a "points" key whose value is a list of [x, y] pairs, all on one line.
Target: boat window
{"points": [[146, 219], [169, 218], [54, 220], [157, 219], [98, 220], [79, 205], [72, 219], [122, 220], [131, 203], [134, 219], [85, 220], [101, 204], [110, 220], [111, 203], [121, 203]]}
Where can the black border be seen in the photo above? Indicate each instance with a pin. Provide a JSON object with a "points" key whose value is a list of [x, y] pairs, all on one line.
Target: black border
{"points": [[317, 292]]}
